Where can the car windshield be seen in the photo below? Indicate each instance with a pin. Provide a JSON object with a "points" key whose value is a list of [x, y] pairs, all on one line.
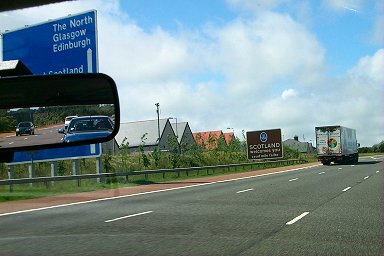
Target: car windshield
{"points": [[67, 119], [25, 124], [246, 127]]}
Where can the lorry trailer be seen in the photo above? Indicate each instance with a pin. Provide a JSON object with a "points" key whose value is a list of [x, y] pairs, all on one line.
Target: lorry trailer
{"points": [[336, 144]]}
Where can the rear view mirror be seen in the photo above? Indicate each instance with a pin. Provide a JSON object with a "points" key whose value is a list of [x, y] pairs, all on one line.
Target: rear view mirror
{"points": [[34, 108]]}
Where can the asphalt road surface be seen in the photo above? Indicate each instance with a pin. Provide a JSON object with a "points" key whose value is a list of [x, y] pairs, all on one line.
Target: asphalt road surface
{"points": [[323, 210], [42, 136]]}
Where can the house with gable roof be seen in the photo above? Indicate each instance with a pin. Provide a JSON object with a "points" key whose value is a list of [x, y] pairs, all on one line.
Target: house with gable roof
{"points": [[228, 137], [146, 133], [184, 136], [302, 147], [208, 139]]}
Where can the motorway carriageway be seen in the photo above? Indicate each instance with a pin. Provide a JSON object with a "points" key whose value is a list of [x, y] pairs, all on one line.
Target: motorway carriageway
{"points": [[309, 210]]}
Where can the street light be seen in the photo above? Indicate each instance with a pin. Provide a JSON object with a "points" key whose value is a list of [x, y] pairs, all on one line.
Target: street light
{"points": [[158, 121], [233, 130]]}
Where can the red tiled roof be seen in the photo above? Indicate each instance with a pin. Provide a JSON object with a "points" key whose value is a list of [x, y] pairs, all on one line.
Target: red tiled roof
{"points": [[208, 138], [228, 137]]}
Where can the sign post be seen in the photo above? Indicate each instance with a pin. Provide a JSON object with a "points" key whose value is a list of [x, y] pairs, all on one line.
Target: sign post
{"points": [[264, 144]]}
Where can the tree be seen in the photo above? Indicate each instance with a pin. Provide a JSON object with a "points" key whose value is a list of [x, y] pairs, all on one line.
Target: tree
{"points": [[221, 143], [146, 161]]}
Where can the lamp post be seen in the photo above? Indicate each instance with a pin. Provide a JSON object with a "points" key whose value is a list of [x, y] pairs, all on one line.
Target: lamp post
{"points": [[158, 122]]}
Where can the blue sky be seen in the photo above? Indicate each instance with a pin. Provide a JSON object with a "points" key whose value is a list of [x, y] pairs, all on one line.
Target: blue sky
{"points": [[345, 32], [246, 64]]}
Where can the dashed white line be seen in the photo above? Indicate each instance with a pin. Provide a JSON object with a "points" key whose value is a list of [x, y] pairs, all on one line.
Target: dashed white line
{"points": [[366, 177], [297, 218], [321, 173], [128, 216], [348, 188], [377, 171], [294, 179], [340, 168], [246, 190]]}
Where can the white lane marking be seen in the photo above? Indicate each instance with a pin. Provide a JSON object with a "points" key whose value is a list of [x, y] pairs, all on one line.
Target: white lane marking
{"points": [[321, 173], [297, 218], [348, 188], [246, 190], [10, 143], [340, 168], [294, 179], [128, 216], [153, 192], [377, 171], [366, 177]]}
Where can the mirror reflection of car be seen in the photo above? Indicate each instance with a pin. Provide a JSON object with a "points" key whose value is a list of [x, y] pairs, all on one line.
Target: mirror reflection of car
{"points": [[87, 127], [54, 94], [67, 120], [25, 128]]}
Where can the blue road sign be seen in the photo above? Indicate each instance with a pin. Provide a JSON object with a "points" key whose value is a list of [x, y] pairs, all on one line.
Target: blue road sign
{"points": [[63, 46], [44, 155]]}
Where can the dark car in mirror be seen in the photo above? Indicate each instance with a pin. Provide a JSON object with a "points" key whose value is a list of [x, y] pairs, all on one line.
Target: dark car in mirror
{"points": [[25, 128], [41, 104]]}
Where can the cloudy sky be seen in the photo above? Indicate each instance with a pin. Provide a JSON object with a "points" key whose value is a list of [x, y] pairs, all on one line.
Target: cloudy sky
{"points": [[241, 64]]}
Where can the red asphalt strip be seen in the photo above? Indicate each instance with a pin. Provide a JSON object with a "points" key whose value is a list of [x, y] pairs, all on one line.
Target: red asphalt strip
{"points": [[22, 205]]}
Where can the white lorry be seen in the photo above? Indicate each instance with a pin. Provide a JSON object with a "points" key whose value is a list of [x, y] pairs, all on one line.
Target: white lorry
{"points": [[336, 144]]}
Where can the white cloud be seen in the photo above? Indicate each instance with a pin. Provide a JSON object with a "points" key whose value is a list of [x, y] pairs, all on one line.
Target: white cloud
{"points": [[254, 53], [288, 93]]}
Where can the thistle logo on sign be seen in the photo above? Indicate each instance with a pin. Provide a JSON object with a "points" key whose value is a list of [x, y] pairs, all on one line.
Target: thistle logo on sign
{"points": [[263, 137], [264, 144]]}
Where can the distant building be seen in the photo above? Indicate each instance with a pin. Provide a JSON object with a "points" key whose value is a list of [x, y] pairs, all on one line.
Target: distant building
{"points": [[184, 136], [146, 134], [208, 139], [228, 137], [302, 147]]}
